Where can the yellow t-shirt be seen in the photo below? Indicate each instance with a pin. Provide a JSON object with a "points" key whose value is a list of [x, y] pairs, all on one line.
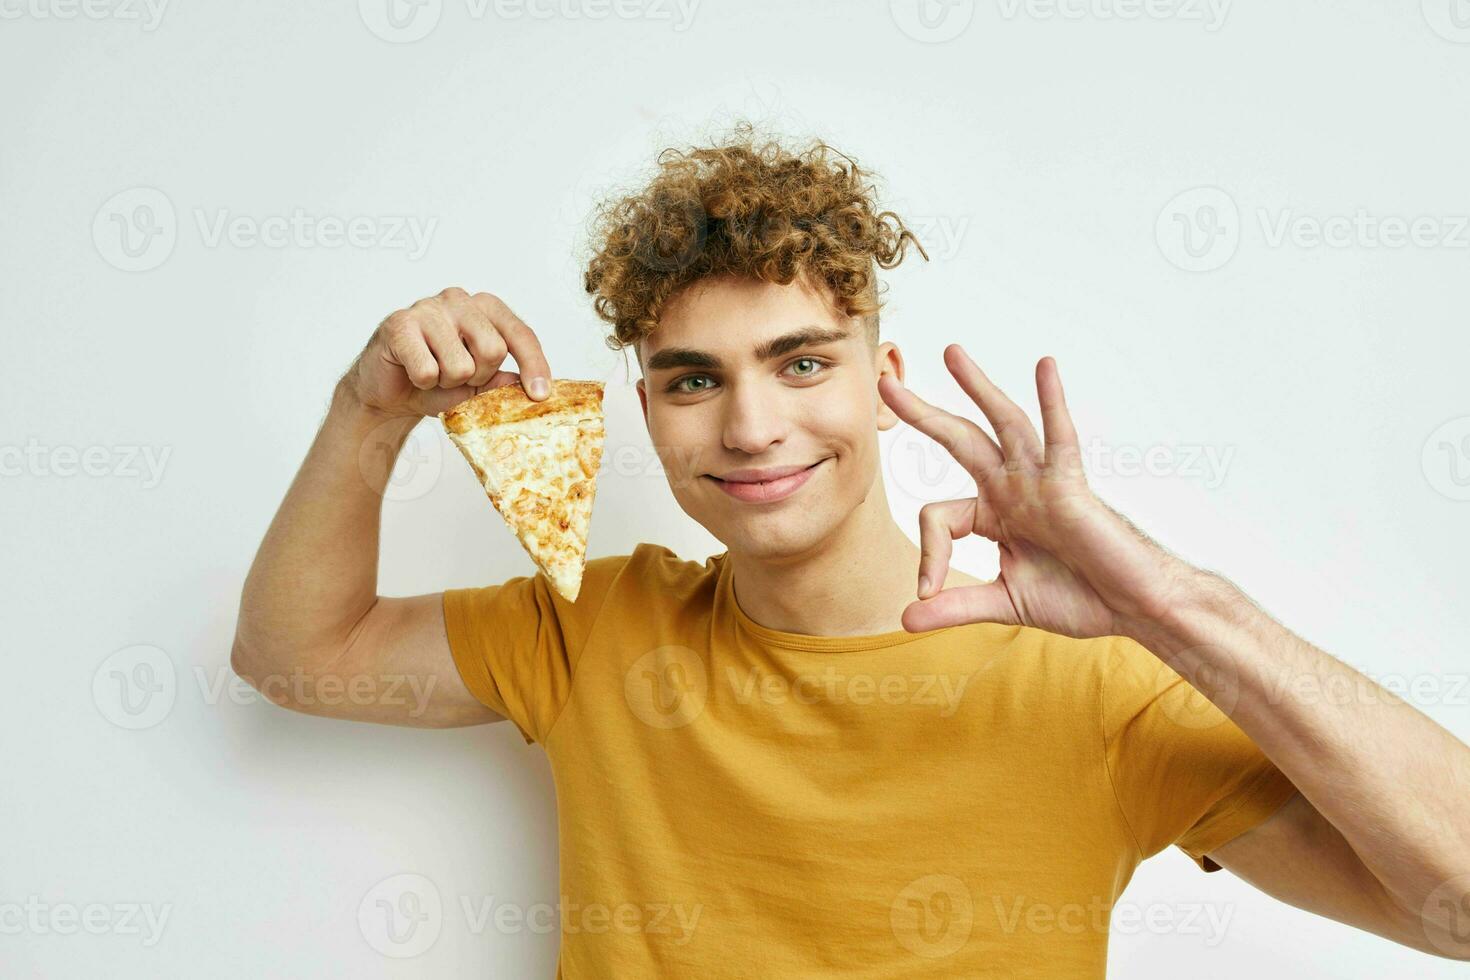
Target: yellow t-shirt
{"points": [[738, 801]]}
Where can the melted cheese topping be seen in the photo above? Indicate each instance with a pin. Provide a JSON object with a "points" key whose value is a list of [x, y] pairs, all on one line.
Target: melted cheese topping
{"points": [[541, 476]]}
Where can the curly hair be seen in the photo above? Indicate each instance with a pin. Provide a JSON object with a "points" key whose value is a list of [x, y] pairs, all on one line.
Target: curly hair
{"points": [[749, 208]]}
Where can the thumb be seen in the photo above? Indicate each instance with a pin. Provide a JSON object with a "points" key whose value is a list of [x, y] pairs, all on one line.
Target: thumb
{"points": [[988, 603]]}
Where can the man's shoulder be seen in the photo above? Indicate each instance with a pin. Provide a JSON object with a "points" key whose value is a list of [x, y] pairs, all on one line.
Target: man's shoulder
{"points": [[651, 572], [1054, 667], [648, 553], [649, 592]]}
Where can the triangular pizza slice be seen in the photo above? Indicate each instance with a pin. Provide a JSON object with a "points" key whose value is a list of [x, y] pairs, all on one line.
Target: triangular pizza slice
{"points": [[538, 462]]}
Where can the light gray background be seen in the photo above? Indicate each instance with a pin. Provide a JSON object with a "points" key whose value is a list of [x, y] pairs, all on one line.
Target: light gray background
{"points": [[1052, 164]]}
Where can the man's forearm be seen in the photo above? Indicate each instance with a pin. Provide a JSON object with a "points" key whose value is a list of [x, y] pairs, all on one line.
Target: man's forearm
{"points": [[1392, 781], [316, 572]]}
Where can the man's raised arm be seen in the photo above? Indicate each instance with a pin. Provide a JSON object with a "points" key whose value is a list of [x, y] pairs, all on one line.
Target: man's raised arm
{"points": [[313, 634]]}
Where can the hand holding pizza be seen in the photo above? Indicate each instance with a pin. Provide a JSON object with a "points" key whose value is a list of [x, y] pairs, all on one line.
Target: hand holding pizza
{"points": [[1068, 563], [443, 349]]}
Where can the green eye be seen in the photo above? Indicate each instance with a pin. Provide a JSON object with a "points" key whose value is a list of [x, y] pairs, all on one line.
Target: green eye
{"points": [[677, 386], [807, 359]]}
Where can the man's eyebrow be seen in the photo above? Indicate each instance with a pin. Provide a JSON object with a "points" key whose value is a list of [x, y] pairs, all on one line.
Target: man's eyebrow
{"points": [[809, 336]]}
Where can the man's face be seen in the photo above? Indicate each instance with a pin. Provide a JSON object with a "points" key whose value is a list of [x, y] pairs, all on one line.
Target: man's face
{"points": [[715, 403]]}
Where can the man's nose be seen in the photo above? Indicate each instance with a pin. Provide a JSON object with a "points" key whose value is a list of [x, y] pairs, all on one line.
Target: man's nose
{"points": [[753, 421]]}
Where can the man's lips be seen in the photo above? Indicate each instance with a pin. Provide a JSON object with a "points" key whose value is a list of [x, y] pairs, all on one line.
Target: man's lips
{"points": [[763, 474], [767, 490]]}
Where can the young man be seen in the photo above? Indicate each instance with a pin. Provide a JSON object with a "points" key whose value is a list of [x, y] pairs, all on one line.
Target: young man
{"points": [[788, 761]]}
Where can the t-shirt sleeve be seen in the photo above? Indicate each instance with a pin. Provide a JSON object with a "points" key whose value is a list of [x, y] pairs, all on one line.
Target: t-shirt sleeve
{"points": [[516, 644], [1183, 772]]}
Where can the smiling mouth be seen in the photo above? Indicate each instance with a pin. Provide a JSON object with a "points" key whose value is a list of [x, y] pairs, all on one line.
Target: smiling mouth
{"points": [[770, 490], [778, 479]]}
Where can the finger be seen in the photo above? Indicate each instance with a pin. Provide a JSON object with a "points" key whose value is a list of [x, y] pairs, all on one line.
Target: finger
{"points": [[436, 400], [406, 347], [1012, 427], [940, 524], [489, 351], [521, 341], [969, 444], [482, 340], [988, 603], [1062, 450], [456, 365], [498, 379]]}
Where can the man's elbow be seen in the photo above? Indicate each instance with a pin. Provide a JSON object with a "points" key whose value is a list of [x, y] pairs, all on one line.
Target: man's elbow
{"points": [[262, 673], [241, 662]]}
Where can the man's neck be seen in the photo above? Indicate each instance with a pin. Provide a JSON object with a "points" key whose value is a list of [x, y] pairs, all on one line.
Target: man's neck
{"points": [[856, 585]]}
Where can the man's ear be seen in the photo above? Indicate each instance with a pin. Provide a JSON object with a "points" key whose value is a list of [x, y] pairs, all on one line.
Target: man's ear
{"points": [[887, 360], [642, 400]]}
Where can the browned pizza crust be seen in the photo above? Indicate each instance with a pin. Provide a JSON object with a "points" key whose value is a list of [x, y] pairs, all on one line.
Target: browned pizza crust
{"points": [[510, 403]]}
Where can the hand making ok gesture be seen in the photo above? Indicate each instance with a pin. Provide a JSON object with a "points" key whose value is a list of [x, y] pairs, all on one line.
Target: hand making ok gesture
{"points": [[1068, 562]]}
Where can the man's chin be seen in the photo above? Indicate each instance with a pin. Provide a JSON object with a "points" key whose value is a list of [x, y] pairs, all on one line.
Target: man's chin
{"points": [[772, 539]]}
